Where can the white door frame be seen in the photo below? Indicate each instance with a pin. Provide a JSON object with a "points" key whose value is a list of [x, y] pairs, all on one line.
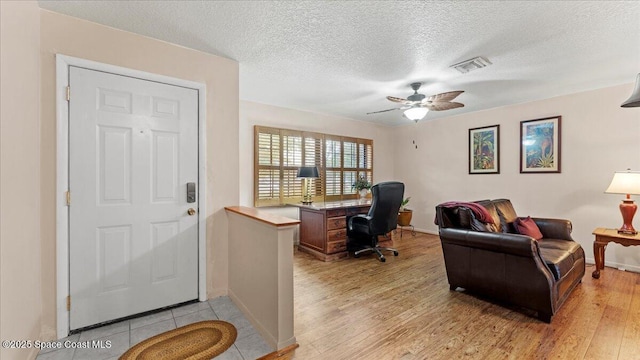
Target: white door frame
{"points": [[62, 176]]}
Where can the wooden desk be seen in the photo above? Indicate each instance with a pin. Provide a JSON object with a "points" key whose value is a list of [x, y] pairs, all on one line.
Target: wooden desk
{"points": [[605, 236], [323, 227]]}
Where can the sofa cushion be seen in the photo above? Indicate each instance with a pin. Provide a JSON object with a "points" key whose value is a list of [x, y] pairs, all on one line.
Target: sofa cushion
{"points": [[526, 226], [507, 215], [491, 208], [469, 221], [560, 255]]}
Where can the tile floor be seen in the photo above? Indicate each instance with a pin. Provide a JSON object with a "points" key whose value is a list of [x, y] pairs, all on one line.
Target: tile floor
{"points": [[249, 344]]}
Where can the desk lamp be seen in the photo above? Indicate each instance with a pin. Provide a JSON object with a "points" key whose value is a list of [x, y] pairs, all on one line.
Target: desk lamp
{"points": [[307, 173], [626, 182]]}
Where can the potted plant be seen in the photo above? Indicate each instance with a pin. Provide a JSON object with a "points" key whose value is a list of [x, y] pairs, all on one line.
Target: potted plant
{"points": [[404, 215], [362, 185]]}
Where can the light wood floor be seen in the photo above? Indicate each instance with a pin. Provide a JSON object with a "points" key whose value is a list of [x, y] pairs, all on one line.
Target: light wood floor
{"points": [[403, 309]]}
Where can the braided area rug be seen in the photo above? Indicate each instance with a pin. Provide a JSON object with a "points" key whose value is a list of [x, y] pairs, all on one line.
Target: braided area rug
{"points": [[201, 340]]}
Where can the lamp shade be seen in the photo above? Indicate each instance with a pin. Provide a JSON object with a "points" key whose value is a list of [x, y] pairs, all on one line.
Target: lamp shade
{"points": [[634, 100], [308, 172], [416, 113], [625, 182]]}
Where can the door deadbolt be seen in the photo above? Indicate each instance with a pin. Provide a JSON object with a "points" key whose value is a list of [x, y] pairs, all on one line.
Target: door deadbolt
{"points": [[191, 211], [191, 192]]}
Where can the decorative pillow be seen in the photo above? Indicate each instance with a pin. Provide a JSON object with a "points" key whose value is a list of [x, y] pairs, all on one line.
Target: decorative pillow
{"points": [[507, 215], [526, 226]]}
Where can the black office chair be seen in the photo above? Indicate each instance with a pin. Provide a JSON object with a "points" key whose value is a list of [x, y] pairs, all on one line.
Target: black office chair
{"points": [[363, 230]]}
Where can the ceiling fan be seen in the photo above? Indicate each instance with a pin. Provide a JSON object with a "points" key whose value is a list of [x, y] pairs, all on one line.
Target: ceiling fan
{"points": [[417, 105]]}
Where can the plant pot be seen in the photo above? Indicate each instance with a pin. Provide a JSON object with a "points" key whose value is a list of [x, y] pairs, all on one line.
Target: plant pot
{"points": [[362, 193], [404, 217]]}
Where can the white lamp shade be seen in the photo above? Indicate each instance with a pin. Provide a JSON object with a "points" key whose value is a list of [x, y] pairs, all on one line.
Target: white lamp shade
{"points": [[625, 182], [416, 113], [634, 99]]}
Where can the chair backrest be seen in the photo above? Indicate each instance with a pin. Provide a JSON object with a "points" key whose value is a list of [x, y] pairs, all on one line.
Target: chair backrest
{"points": [[385, 204]]}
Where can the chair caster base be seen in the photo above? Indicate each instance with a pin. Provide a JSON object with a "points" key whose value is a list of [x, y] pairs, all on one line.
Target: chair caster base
{"points": [[377, 251]]}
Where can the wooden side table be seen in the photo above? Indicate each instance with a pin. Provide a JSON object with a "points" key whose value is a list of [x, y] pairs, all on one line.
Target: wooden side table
{"points": [[605, 236]]}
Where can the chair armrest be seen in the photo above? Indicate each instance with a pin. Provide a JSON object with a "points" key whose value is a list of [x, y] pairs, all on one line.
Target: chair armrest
{"points": [[554, 228], [360, 219], [519, 245]]}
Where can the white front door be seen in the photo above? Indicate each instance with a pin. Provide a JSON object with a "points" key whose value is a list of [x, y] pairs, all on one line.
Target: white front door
{"points": [[133, 149]]}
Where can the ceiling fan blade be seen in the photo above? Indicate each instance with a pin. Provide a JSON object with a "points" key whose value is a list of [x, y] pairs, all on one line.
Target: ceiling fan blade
{"points": [[448, 96], [381, 111], [443, 105], [400, 100]]}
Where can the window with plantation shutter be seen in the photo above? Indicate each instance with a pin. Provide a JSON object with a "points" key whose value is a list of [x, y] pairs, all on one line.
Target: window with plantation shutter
{"points": [[313, 150], [267, 178], [280, 152], [365, 159]]}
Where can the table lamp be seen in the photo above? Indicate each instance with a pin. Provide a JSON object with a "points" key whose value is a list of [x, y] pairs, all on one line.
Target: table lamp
{"points": [[634, 99], [626, 182], [307, 173]]}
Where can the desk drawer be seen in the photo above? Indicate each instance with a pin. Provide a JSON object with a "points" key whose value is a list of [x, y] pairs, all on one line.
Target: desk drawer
{"points": [[336, 213], [336, 223], [336, 246], [357, 210], [338, 234]]}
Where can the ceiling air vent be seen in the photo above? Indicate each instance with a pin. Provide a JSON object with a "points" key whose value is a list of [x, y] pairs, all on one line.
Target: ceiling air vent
{"points": [[471, 64]]}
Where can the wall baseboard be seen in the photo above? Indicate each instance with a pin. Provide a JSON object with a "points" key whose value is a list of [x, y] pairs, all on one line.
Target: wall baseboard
{"points": [[615, 265]]}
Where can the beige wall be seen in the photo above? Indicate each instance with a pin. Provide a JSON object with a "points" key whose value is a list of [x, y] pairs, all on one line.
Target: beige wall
{"points": [[252, 113], [598, 138], [20, 294], [261, 276], [78, 38]]}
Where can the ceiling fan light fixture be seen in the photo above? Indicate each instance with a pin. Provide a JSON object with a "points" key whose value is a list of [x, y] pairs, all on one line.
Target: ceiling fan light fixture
{"points": [[416, 113]]}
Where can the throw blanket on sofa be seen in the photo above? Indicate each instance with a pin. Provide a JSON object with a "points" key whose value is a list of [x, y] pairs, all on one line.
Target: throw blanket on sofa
{"points": [[480, 212]]}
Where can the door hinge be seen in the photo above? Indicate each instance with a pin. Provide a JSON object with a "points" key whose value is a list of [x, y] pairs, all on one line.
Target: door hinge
{"points": [[69, 303], [68, 196], [68, 93]]}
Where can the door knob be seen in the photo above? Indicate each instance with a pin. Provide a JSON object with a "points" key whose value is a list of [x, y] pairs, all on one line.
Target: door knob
{"points": [[191, 211]]}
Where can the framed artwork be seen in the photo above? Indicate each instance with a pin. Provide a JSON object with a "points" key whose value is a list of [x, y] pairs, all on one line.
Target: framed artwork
{"points": [[540, 145], [484, 150]]}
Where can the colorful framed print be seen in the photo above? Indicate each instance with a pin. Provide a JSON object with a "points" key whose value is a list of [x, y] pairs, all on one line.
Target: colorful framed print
{"points": [[540, 145], [484, 150]]}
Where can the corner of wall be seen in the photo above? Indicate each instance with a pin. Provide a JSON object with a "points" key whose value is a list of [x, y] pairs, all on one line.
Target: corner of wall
{"points": [[20, 238]]}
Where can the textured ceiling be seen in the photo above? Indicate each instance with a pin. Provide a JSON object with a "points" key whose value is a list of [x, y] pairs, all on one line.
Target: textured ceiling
{"points": [[345, 57]]}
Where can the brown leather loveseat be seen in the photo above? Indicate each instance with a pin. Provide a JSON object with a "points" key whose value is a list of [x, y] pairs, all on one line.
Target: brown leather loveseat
{"points": [[493, 260]]}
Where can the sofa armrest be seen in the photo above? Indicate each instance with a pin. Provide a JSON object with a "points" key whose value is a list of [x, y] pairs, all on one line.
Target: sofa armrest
{"points": [[554, 228], [519, 245]]}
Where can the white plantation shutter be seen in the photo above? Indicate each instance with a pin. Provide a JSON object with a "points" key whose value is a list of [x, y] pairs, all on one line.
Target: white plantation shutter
{"points": [[350, 165], [332, 183], [365, 159], [350, 154], [333, 167], [291, 161], [267, 179], [348, 178], [313, 156], [279, 153]]}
